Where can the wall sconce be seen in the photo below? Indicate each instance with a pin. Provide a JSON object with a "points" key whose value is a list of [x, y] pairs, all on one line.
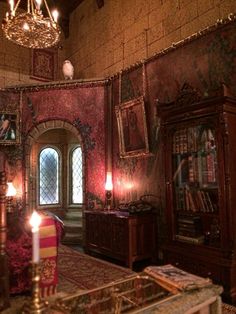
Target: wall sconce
{"points": [[109, 188], [11, 192]]}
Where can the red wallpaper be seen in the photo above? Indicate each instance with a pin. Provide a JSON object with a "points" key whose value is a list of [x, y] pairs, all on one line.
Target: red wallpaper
{"points": [[80, 106], [85, 104], [204, 63]]}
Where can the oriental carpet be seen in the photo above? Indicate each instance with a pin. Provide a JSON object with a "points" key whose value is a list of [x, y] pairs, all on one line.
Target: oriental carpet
{"points": [[81, 271], [78, 271]]}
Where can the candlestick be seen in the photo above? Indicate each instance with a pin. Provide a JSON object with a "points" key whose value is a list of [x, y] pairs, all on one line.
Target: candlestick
{"points": [[35, 305]]}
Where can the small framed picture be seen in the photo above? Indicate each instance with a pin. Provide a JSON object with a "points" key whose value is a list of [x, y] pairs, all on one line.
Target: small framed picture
{"points": [[9, 128], [132, 128]]}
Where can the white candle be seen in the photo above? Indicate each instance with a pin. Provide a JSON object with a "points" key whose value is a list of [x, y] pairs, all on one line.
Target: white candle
{"points": [[11, 2], [38, 4], [55, 15], [35, 221]]}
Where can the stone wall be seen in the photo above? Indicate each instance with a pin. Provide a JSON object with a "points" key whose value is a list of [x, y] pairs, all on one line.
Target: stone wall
{"points": [[103, 41], [15, 61]]}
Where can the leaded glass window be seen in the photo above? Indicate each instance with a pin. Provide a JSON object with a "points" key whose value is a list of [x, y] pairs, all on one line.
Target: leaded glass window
{"points": [[76, 176], [48, 176]]}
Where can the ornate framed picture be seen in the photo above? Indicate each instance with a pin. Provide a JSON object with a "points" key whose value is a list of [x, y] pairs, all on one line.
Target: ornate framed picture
{"points": [[132, 128], [9, 128]]}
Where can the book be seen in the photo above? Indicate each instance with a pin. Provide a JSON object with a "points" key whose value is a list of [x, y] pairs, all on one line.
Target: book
{"points": [[193, 240], [176, 279]]}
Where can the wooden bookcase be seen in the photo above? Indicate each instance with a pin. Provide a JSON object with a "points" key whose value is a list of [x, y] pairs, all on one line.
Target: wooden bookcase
{"points": [[200, 174], [125, 238]]}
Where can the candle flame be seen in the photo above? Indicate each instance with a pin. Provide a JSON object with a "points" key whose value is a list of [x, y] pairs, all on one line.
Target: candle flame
{"points": [[35, 221], [109, 184], [11, 190]]}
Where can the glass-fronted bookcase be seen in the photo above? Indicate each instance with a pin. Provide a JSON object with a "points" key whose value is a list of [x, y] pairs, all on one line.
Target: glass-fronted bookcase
{"points": [[199, 149], [195, 184]]}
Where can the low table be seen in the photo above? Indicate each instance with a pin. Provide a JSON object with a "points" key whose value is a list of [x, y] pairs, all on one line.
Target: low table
{"points": [[141, 293]]}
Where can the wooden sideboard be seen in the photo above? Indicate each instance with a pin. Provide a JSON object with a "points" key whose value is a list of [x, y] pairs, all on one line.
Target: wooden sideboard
{"points": [[127, 238]]}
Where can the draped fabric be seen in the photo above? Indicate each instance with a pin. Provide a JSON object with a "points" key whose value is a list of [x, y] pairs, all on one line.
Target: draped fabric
{"points": [[48, 255], [19, 252]]}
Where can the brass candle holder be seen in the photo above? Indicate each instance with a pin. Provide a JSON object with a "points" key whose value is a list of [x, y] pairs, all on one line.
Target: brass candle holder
{"points": [[108, 200], [35, 305]]}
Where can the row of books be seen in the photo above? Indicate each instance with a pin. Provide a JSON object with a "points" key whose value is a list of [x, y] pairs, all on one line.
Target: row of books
{"points": [[185, 140], [195, 200], [193, 168], [192, 139]]}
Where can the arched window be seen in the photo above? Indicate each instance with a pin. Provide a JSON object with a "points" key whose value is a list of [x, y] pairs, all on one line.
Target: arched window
{"points": [[76, 182], [49, 164]]}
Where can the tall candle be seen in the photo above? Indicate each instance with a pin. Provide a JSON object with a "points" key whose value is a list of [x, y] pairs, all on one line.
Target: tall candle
{"points": [[35, 221], [11, 2]]}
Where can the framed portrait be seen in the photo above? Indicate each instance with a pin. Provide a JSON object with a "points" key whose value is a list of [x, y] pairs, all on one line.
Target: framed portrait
{"points": [[132, 128], [9, 128]]}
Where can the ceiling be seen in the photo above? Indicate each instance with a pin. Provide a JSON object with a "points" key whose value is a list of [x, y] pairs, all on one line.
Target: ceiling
{"points": [[65, 7]]}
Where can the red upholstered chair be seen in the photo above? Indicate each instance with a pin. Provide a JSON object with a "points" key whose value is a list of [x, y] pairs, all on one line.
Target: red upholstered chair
{"points": [[19, 252]]}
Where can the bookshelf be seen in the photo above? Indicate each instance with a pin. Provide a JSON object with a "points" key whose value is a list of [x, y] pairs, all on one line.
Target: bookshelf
{"points": [[199, 137]]}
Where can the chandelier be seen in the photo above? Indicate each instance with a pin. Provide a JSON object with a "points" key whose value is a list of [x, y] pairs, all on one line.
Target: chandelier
{"points": [[31, 29]]}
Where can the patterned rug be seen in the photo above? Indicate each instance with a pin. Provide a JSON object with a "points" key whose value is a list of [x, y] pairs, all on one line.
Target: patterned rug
{"points": [[79, 271]]}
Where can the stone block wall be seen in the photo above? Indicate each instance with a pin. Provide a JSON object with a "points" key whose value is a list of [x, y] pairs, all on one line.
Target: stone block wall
{"points": [[15, 61], [104, 41]]}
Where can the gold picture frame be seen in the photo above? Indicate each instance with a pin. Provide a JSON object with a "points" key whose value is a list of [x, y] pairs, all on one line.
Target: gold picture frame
{"points": [[9, 128], [132, 128]]}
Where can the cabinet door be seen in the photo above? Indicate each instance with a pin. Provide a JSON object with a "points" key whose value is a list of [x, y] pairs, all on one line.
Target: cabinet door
{"points": [[92, 229], [105, 230], [142, 233], [119, 236], [195, 191]]}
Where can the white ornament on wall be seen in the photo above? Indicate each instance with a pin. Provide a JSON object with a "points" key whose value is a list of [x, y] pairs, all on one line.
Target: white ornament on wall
{"points": [[68, 70]]}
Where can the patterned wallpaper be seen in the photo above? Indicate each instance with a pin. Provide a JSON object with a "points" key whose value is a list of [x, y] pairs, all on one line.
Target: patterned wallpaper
{"points": [[82, 107], [204, 63]]}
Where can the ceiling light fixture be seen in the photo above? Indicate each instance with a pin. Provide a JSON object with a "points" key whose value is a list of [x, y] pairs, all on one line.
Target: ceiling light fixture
{"points": [[30, 28]]}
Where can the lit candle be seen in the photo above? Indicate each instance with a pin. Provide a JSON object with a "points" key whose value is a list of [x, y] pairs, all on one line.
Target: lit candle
{"points": [[11, 3], [11, 190], [109, 185], [35, 221], [55, 15], [38, 4]]}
